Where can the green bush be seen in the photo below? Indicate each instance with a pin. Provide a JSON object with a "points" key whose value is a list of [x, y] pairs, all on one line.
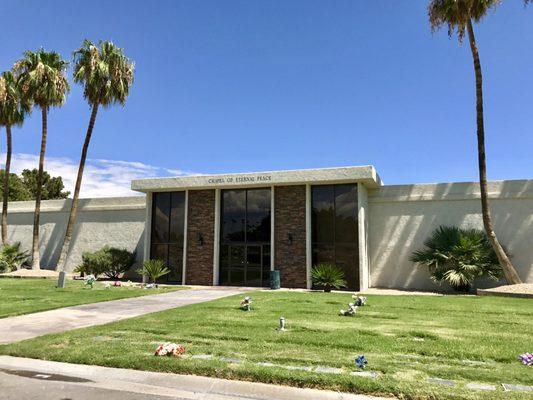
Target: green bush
{"points": [[12, 257], [109, 261], [328, 276], [458, 256], [154, 269]]}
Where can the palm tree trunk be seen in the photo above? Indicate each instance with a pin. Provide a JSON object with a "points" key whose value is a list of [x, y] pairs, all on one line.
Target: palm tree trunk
{"points": [[6, 185], [510, 273], [36, 256], [74, 207]]}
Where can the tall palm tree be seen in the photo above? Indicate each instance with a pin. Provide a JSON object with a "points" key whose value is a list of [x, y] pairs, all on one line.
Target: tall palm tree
{"points": [[458, 16], [12, 113], [41, 79], [107, 75]]}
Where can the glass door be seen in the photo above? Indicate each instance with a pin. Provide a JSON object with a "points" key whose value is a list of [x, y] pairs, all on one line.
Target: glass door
{"points": [[245, 237]]}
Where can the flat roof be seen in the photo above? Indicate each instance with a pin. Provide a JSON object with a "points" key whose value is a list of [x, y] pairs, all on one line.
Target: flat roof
{"points": [[366, 175]]}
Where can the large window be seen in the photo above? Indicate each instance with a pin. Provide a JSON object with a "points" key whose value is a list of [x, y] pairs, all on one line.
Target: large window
{"points": [[245, 237], [168, 219], [335, 229]]}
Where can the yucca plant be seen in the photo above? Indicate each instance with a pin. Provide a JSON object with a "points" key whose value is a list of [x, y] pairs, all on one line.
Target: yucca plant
{"points": [[458, 257], [154, 269], [328, 276], [12, 257]]}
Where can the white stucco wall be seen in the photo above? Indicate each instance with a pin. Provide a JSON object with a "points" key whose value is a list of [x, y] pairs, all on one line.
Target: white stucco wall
{"points": [[115, 221], [403, 216]]}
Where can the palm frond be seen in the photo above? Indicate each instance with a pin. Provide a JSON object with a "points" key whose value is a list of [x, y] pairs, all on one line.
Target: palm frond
{"points": [[104, 71]]}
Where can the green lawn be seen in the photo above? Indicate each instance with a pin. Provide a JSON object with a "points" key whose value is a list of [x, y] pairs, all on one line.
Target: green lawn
{"points": [[406, 338], [23, 296]]}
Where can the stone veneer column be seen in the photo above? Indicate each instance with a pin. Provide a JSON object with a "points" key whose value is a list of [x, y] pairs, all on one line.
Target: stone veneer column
{"points": [[201, 220], [289, 218]]}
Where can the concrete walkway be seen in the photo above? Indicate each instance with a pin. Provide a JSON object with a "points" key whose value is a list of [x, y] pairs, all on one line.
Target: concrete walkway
{"points": [[23, 378], [14, 329]]}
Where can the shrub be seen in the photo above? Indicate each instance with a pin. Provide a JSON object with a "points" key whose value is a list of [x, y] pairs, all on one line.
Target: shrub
{"points": [[154, 269], [121, 262], [109, 261], [12, 257], [328, 276], [458, 256]]}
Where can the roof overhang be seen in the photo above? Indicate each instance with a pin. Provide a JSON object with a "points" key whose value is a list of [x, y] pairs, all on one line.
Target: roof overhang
{"points": [[364, 174]]}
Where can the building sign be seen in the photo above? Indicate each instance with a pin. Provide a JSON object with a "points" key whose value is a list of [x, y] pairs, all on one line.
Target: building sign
{"points": [[262, 178]]}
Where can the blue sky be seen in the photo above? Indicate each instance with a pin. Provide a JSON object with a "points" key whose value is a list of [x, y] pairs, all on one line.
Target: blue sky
{"points": [[249, 85]]}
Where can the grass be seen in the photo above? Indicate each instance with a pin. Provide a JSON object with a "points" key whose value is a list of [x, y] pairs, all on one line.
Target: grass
{"points": [[23, 296], [406, 338]]}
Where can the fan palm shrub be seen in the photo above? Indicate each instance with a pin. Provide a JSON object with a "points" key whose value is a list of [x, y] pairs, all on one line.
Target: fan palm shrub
{"points": [[328, 276], [12, 257], [458, 257], [154, 269], [106, 75], [41, 80], [459, 16]]}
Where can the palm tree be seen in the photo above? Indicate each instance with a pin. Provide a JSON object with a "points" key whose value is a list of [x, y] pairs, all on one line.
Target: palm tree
{"points": [[458, 15], [42, 80], [107, 75], [12, 113]]}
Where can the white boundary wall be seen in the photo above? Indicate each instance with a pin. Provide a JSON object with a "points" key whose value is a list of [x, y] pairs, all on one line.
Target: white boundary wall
{"points": [[397, 220], [403, 216], [113, 221]]}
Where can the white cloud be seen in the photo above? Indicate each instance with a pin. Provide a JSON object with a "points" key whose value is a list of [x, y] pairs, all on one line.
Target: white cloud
{"points": [[101, 178]]}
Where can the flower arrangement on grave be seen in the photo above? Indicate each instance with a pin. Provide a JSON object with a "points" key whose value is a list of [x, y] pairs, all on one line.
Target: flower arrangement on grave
{"points": [[169, 350], [361, 362], [246, 303], [350, 312], [117, 283], [90, 280], [359, 300], [526, 359]]}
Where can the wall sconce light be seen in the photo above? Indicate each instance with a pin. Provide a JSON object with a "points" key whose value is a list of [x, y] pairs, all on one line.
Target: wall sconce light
{"points": [[200, 239], [290, 238]]}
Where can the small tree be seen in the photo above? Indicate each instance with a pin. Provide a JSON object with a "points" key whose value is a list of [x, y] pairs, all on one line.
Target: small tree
{"points": [[51, 186], [154, 269], [458, 257]]}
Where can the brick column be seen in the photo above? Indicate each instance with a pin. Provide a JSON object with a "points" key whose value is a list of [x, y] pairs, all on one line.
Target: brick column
{"points": [[289, 219], [201, 220]]}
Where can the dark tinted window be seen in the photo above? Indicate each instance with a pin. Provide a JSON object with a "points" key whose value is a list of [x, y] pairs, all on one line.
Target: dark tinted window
{"points": [[168, 222], [334, 228]]}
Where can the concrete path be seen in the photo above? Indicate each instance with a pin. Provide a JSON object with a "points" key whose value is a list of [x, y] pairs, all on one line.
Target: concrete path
{"points": [[14, 329], [23, 378]]}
